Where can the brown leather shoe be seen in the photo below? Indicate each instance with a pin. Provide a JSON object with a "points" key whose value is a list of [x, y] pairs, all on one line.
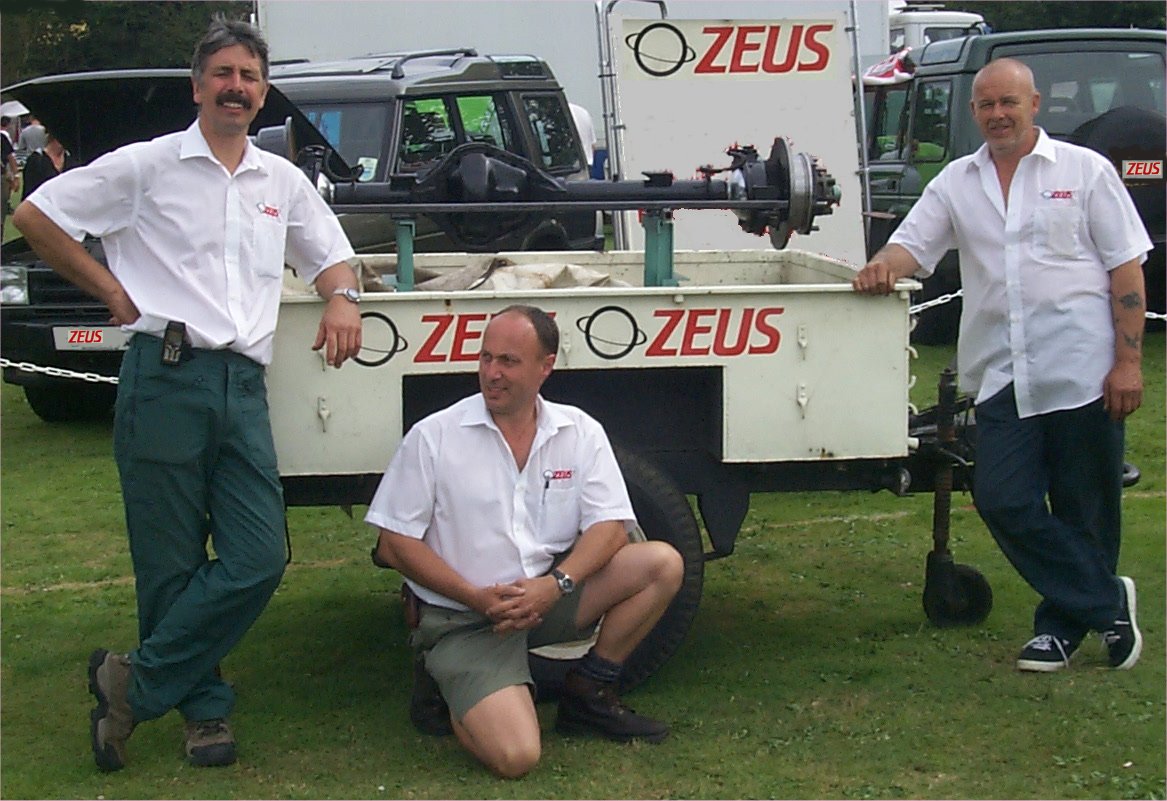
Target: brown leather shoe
{"points": [[591, 707], [112, 721], [210, 743]]}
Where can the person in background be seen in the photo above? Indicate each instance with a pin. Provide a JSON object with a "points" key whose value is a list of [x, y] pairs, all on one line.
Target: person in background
{"points": [[197, 226], [587, 132], [1051, 335], [9, 169], [45, 163], [509, 518], [32, 137]]}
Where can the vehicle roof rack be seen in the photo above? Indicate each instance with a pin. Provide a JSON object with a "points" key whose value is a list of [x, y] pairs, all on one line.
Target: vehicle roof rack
{"points": [[398, 59]]}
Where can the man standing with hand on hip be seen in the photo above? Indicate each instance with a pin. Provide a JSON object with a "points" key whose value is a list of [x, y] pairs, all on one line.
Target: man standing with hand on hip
{"points": [[1051, 249], [197, 226]]}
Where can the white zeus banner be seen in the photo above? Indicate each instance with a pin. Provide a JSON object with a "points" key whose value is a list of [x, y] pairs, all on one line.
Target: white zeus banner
{"points": [[690, 89]]}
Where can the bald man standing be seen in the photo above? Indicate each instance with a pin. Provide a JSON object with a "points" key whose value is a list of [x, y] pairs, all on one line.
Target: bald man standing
{"points": [[1051, 332]]}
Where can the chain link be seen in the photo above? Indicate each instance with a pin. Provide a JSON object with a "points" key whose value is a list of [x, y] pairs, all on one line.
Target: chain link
{"points": [[59, 372], [939, 301]]}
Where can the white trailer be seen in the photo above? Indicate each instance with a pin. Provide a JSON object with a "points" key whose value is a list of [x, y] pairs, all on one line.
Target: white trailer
{"points": [[742, 378], [715, 373]]}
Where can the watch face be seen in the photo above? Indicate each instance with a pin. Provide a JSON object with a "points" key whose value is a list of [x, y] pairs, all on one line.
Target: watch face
{"points": [[566, 584]]}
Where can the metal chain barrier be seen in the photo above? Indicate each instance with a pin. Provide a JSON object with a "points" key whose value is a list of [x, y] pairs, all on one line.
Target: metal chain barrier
{"points": [[938, 301], [59, 372]]}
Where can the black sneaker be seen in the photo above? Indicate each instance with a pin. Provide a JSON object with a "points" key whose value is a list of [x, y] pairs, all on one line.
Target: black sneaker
{"points": [[1045, 653], [591, 707], [427, 708], [1123, 640]]}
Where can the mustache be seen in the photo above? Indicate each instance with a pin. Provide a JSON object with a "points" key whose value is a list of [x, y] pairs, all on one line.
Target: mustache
{"points": [[233, 97]]}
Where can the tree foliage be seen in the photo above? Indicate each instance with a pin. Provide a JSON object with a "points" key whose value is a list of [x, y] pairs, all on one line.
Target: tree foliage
{"points": [[71, 36], [1014, 16]]}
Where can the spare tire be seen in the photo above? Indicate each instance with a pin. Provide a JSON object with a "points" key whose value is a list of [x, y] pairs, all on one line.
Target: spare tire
{"points": [[1131, 133], [663, 513]]}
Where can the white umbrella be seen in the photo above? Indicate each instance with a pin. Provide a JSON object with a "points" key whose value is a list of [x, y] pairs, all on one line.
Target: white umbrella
{"points": [[13, 108]]}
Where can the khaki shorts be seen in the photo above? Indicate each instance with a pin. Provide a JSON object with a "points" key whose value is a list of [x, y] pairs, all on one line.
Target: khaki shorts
{"points": [[469, 661]]}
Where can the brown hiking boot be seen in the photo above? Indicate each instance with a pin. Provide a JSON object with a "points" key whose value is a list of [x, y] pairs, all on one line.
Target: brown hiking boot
{"points": [[427, 708], [209, 743], [590, 707], [112, 721]]}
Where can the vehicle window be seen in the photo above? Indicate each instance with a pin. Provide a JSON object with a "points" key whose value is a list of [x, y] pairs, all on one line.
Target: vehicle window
{"points": [[887, 118], [356, 131], [929, 141], [553, 131], [1078, 86], [943, 34], [484, 120], [928, 148], [898, 39], [426, 133]]}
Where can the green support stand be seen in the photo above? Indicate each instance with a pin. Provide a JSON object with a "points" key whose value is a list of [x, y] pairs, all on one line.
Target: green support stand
{"points": [[406, 228], [658, 249]]}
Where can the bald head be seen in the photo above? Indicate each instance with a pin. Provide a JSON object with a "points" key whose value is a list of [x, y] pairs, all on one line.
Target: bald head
{"points": [[1005, 103], [1009, 69]]}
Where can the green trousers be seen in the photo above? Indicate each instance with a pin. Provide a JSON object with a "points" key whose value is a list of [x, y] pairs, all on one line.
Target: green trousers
{"points": [[194, 451]]}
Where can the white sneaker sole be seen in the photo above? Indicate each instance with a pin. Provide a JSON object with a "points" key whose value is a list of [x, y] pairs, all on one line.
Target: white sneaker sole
{"points": [[1037, 666]]}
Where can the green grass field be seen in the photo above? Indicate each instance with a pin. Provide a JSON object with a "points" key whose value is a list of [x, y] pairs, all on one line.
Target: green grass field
{"points": [[811, 671]]}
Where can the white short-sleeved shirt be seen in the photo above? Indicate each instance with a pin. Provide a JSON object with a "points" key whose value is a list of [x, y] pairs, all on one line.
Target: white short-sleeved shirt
{"points": [[193, 243], [1037, 305], [454, 484]]}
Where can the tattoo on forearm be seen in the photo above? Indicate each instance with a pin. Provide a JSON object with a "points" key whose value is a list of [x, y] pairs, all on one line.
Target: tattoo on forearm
{"points": [[1135, 341], [1131, 300]]}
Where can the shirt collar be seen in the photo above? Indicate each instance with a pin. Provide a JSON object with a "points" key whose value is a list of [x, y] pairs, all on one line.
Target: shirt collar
{"points": [[194, 145], [547, 417], [1044, 148]]}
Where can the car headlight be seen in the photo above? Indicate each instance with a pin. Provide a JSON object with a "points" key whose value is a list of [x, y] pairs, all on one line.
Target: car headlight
{"points": [[14, 285]]}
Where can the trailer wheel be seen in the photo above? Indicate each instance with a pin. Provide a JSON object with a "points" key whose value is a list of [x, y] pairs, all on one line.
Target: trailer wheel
{"points": [[955, 594], [664, 514]]}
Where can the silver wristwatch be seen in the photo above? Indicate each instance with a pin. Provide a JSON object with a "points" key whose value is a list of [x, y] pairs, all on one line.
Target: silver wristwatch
{"points": [[349, 293], [565, 582]]}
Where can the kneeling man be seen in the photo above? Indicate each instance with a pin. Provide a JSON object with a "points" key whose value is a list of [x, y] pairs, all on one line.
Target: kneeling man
{"points": [[509, 518]]}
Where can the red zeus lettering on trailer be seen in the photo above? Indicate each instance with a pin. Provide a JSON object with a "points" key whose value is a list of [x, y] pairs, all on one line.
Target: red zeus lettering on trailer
{"points": [[467, 328], [85, 336], [764, 40], [723, 332], [695, 340]]}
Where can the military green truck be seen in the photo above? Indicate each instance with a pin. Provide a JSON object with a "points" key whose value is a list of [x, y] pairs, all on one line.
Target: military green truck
{"points": [[1101, 88]]}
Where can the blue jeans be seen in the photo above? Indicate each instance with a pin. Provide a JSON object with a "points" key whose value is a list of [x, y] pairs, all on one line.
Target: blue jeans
{"points": [[1067, 549]]}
